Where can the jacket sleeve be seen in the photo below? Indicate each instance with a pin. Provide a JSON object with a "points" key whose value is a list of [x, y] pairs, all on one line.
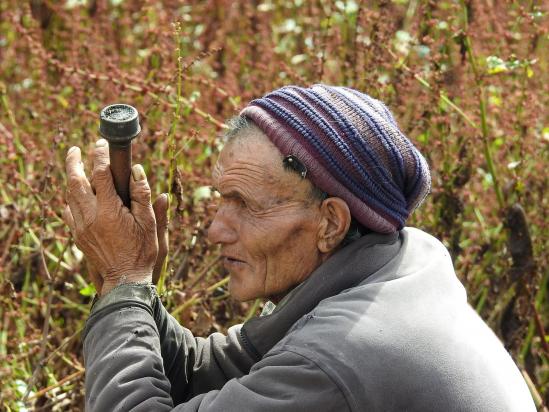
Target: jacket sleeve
{"points": [[190, 365], [282, 381], [138, 358], [195, 365]]}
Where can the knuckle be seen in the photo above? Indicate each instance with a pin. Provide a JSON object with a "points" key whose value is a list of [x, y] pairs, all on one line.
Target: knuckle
{"points": [[150, 221], [101, 171], [83, 232], [75, 191], [108, 215], [74, 183], [101, 150], [142, 188]]}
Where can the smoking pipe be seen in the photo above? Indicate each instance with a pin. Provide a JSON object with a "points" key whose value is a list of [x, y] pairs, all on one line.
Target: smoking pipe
{"points": [[119, 125]]}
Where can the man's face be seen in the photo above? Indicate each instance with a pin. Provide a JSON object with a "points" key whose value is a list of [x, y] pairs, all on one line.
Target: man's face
{"points": [[266, 222]]}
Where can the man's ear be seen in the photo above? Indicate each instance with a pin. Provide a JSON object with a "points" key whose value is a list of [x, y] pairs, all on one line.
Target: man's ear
{"points": [[335, 219]]}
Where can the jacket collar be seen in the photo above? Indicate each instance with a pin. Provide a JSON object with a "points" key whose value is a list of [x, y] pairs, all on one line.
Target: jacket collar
{"points": [[346, 268]]}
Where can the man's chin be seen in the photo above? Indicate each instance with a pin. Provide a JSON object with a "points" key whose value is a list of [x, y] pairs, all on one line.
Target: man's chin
{"points": [[239, 291]]}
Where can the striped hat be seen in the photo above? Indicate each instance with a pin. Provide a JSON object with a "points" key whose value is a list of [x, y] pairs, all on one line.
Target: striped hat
{"points": [[352, 148]]}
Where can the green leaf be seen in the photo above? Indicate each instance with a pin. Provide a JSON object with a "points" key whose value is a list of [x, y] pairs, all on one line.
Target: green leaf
{"points": [[495, 100], [348, 7], [298, 58], [88, 290], [497, 143], [545, 133], [202, 192], [422, 50], [423, 137], [513, 165], [62, 101], [402, 41], [496, 65], [195, 95]]}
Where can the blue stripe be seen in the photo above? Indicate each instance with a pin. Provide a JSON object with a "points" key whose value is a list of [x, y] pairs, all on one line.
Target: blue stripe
{"points": [[341, 175], [417, 180], [386, 141], [373, 103], [390, 190], [389, 193], [413, 192]]}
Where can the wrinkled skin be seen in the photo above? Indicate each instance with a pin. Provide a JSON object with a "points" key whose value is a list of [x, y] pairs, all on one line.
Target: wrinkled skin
{"points": [[268, 225], [121, 245], [273, 234]]}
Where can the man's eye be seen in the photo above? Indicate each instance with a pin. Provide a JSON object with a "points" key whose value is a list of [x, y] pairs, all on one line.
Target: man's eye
{"points": [[241, 202], [244, 206]]}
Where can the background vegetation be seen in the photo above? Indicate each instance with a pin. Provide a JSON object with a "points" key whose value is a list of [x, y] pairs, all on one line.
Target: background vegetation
{"points": [[467, 81]]}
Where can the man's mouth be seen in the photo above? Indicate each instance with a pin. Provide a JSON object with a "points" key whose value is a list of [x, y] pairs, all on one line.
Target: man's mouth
{"points": [[232, 262]]}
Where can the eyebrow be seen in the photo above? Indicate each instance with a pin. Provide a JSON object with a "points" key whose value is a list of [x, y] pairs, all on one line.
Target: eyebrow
{"points": [[231, 194]]}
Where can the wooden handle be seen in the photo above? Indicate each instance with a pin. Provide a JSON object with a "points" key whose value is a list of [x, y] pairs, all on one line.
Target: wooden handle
{"points": [[121, 168]]}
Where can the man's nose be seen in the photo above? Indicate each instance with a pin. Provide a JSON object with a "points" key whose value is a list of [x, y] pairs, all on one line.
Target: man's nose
{"points": [[222, 230]]}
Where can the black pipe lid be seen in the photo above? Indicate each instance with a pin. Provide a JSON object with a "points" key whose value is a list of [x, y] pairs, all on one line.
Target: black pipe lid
{"points": [[119, 123]]}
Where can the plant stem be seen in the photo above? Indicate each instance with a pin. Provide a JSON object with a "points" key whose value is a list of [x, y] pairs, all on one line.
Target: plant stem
{"points": [[63, 381], [171, 144], [442, 95], [482, 106], [198, 298]]}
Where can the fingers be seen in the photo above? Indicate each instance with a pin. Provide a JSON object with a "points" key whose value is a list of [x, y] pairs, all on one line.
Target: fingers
{"points": [[140, 194], [160, 208], [102, 176], [80, 196], [73, 164]]}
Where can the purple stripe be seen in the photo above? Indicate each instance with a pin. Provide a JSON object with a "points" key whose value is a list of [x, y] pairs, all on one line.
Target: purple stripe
{"points": [[390, 193], [373, 102], [290, 118], [386, 141], [391, 196], [283, 137]]}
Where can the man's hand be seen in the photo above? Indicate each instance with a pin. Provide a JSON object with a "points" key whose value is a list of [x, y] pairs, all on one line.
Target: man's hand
{"points": [[121, 245], [160, 207]]}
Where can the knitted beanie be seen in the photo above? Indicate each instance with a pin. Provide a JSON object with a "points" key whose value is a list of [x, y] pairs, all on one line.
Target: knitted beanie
{"points": [[352, 148]]}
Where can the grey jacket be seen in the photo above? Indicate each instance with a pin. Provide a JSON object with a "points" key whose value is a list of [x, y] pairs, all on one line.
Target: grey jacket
{"points": [[383, 325]]}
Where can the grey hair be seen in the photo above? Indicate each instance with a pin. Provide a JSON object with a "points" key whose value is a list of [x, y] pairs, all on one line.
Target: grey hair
{"points": [[238, 125]]}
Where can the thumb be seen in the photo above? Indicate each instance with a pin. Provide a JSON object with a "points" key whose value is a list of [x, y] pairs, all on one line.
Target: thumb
{"points": [[140, 195], [160, 208]]}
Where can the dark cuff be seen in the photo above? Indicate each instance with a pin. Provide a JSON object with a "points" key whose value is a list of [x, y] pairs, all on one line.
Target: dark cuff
{"points": [[135, 295], [134, 292]]}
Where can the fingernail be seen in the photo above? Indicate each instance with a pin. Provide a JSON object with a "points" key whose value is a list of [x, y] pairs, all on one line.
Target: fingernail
{"points": [[101, 143], [72, 149], [138, 173]]}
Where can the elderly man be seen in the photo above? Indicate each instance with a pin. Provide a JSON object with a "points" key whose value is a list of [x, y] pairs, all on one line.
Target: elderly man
{"points": [[316, 185]]}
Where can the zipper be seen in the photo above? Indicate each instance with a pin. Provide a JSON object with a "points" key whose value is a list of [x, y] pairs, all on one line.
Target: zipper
{"points": [[252, 351]]}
